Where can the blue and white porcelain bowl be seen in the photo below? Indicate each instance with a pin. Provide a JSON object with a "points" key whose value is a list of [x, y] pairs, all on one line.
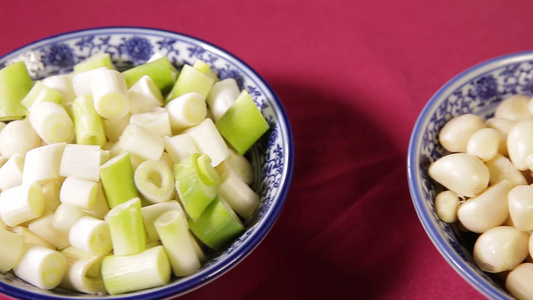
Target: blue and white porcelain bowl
{"points": [[477, 90], [272, 157]]}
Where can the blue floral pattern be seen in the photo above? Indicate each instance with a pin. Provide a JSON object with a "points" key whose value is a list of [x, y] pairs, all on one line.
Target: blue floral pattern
{"points": [[271, 157], [139, 49]]}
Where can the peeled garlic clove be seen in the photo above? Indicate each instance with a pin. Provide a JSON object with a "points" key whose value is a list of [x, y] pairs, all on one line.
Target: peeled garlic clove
{"points": [[484, 143], [530, 243], [500, 168], [503, 126], [462, 173], [455, 133], [520, 201], [501, 249], [530, 106], [519, 280], [487, 210], [514, 108], [520, 143], [446, 204]]}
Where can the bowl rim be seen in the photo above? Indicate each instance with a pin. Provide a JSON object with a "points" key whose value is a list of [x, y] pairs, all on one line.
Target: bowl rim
{"points": [[271, 215], [447, 252]]}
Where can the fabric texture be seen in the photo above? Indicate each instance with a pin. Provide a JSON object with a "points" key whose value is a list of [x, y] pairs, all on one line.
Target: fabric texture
{"points": [[353, 77]]}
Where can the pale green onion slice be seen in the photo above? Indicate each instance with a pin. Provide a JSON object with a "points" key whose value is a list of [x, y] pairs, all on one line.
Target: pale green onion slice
{"points": [[78, 192], [30, 237], [217, 225], [239, 196], [15, 83], [81, 82], [155, 121], [150, 268], [91, 235], [209, 141], [44, 227], [87, 122], [199, 251], [180, 146], [161, 71], [40, 266], [21, 203], [165, 158], [239, 165], [83, 272], [114, 128], [42, 164], [11, 250], [242, 124], [203, 67], [98, 60], [52, 122], [109, 93], [87, 168], [100, 207], [196, 183], [139, 141], [127, 228], [173, 230], [117, 180], [135, 159], [39, 93], [65, 216], [155, 181], [51, 195], [11, 172], [144, 95], [152, 212], [186, 110], [191, 80], [18, 137], [63, 84], [221, 97]]}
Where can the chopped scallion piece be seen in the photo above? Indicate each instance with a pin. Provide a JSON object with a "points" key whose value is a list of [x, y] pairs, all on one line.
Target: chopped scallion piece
{"points": [[98, 60], [11, 250], [40, 266], [242, 124], [21, 203], [15, 83], [127, 273], [217, 225], [161, 70], [52, 122], [190, 80], [83, 272], [39, 93], [87, 122], [117, 180], [196, 186], [173, 230], [155, 181], [127, 228]]}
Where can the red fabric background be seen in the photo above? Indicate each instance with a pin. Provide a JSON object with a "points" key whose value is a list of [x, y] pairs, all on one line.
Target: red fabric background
{"points": [[353, 77]]}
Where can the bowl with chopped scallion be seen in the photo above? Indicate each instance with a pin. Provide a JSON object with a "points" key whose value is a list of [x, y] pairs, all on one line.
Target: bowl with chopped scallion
{"points": [[470, 163], [134, 163]]}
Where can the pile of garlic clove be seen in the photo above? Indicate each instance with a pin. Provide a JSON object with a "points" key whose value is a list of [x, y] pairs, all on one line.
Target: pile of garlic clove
{"points": [[487, 178]]}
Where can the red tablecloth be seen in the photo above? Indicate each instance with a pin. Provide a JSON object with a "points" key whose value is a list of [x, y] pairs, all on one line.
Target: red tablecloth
{"points": [[353, 77]]}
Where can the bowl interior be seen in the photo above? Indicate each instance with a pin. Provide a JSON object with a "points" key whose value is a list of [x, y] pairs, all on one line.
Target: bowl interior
{"points": [[272, 157], [478, 90]]}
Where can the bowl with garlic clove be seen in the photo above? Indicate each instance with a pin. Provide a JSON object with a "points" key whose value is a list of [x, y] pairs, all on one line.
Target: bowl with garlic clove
{"points": [[469, 172]]}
